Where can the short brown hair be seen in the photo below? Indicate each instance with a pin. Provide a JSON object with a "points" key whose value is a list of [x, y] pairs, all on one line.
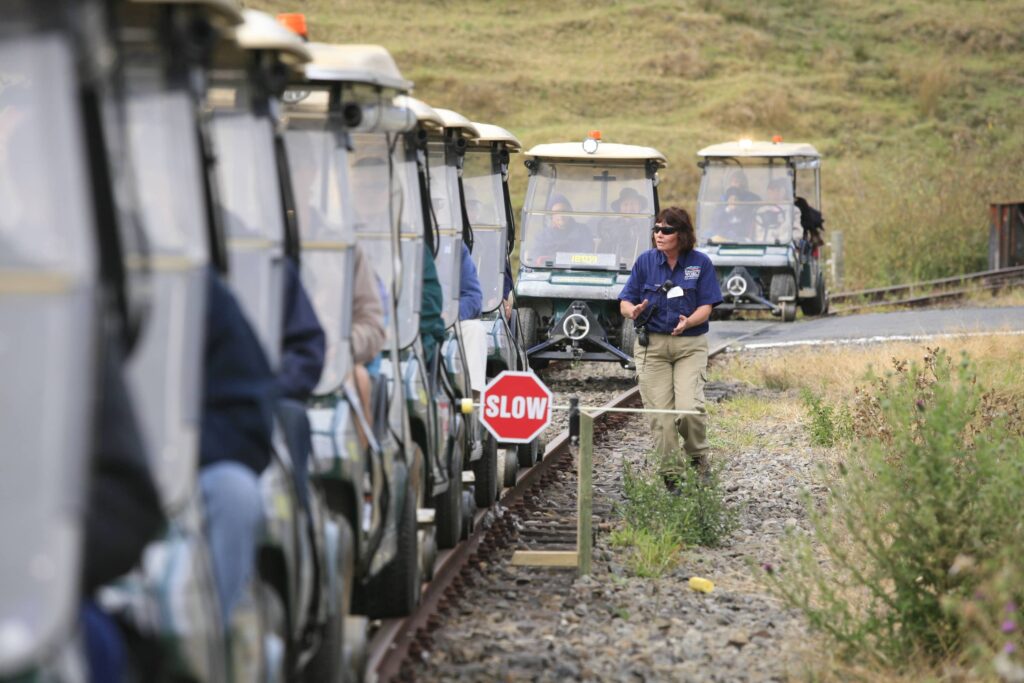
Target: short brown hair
{"points": [[677, 217]]}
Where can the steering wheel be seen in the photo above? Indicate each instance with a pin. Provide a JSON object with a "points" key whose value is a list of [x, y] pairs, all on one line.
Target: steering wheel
{"points": [[769, 217]]}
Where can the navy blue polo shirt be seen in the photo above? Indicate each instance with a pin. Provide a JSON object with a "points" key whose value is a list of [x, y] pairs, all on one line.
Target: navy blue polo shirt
{"points": [[694, 274]]}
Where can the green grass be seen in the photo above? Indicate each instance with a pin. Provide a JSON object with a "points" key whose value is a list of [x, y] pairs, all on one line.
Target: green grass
{"points": [[658, 525], [649, 554], [916, 106]]}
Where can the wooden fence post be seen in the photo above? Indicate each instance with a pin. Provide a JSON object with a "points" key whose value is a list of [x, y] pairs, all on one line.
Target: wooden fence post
{"points": [[585, 494]]}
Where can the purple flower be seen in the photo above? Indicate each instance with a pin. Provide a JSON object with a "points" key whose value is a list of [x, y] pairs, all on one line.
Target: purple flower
{"points": [[1009, 648], [1009, 626], [920, 404], [1011, 607], [768, 567]]}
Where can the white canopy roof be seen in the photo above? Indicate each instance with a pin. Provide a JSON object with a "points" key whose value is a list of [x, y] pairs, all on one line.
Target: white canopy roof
{"points": [[260, 31], [606, 151], [759, 148], [425, 114], [458, 122], [488, 133], [370, 64]]}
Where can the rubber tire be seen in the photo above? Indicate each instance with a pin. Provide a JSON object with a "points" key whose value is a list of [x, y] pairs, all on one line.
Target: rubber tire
{"points": [[448, 516], [782, 284], [819, 304], [510, 471], [529, 322], [527, 453], [468, 514], [428, 554], [448, 507], [627, 337], [788, 311], [328, 662], [395, 591], [485, 470]]}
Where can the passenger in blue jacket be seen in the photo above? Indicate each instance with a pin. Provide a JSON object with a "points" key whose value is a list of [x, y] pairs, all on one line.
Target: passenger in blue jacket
{"points": [[671, 291], [474, 332], [304, 344], [239, 396], [471, 296], [303, 348]]}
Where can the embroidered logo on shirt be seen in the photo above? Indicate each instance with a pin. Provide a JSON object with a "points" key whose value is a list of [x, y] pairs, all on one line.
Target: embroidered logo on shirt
{"points": [[692, 273]]}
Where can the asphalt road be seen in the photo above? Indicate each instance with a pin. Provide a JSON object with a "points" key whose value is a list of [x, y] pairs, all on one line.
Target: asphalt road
{"points": [[866, 328]]}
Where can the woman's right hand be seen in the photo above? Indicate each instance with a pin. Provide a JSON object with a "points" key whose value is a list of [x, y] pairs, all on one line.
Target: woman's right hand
{"points": [[638, 309]]}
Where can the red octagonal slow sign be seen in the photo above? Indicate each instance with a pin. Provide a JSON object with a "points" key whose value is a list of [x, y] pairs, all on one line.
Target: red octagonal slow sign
{"points": [[516, 407]]}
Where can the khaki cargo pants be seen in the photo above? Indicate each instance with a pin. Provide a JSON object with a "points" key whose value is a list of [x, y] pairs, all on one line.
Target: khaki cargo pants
{"points": [[672, 373]]}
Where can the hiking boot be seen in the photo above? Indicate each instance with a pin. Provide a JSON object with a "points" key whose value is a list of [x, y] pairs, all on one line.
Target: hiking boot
{"points": [[672, 484], [702, 467]]}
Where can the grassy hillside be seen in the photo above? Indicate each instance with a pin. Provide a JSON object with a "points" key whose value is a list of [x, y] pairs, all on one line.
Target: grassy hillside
{"points": [[918, 106]]}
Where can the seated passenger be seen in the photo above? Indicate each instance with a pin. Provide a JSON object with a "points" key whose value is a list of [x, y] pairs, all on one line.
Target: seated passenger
{"points": [[623, 231], [122, 515], [368, 333], [431, 304], [474, 332], [303, 347], [239, 393], [734, 221], [629, 201], [561, 233]]}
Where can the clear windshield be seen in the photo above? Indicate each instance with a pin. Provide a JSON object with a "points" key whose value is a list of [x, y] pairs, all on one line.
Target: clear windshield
{"points": [[43, 199], [485, 206], [318, 164], [252, 212], [375, 203], [750, 204], [164, 153], [444, 196], [247, 176], [412, 240], [587, 216], [47, 355], [376, 199]]}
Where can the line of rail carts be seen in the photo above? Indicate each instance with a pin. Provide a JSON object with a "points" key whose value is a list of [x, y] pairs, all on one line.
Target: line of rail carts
{"points": [[146, 144]]}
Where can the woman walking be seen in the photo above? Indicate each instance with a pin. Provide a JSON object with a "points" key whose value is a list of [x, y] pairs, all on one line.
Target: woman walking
{"points": [[670, 294]]}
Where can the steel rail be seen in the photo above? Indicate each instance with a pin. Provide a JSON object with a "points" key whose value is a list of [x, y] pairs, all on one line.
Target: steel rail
{"points": [[396, 639], [879, 293]]}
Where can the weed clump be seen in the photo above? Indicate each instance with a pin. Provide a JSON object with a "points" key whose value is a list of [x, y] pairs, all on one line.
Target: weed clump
{"points": [[658, 523], [925, 513], [829, 425]]}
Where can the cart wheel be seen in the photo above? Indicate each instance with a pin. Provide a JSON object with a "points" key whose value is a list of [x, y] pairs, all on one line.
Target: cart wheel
{"points": [[485, 470], [819, 304], [510, 466], [529, 321], [468, 513], [527, 453], [448, 505], [627, 337], [789, 311]]}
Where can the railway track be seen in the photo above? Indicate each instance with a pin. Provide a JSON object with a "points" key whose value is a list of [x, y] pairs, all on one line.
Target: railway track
{"points": [[538, 513], [927, 293], [397, 643]]}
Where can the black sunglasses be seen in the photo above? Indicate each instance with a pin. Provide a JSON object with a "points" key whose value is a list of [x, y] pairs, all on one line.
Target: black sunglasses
{"points": [[665, 229]]}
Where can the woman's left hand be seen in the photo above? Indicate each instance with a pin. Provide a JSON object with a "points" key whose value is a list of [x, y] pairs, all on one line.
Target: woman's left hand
{"points": [[681, 326]]}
